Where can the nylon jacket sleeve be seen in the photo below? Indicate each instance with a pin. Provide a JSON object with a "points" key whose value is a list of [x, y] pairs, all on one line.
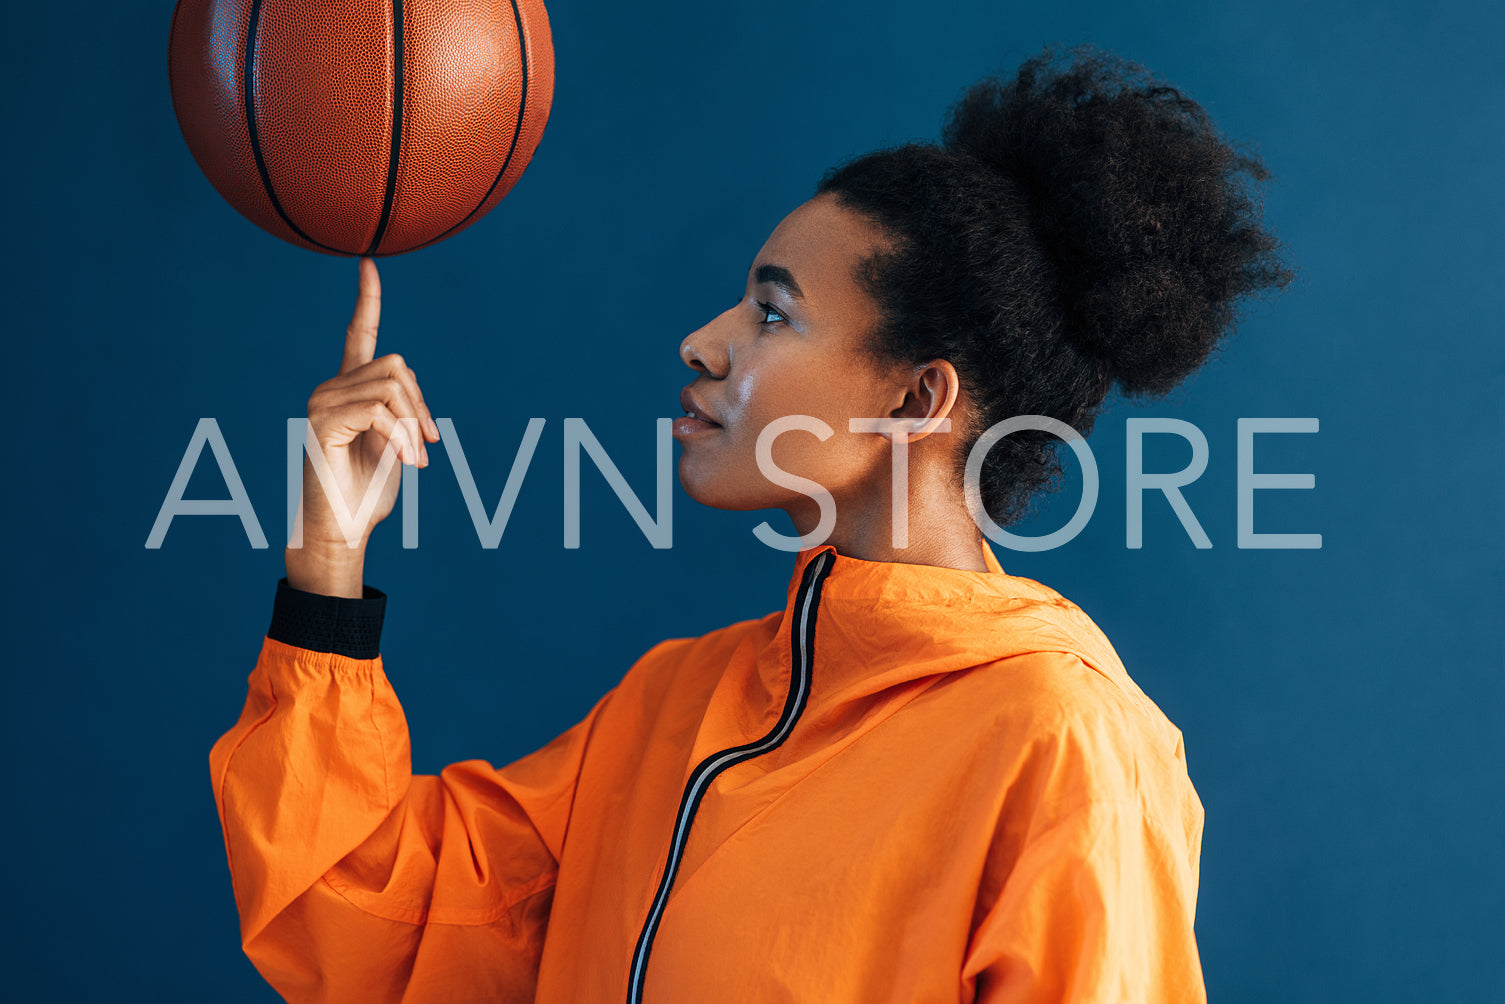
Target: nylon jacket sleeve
{"points": [[356, 880], [1090, 893]]}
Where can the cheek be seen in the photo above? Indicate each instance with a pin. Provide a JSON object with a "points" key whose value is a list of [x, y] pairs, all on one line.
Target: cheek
{"points": [[837, 462], [723, 471], [757, 397], [840, 458]]}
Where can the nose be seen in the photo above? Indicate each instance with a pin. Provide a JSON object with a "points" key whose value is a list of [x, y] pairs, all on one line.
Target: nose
{"points": [[708, 349]]}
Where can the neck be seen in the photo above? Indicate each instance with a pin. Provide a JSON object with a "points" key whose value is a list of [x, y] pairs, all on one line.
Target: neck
{"points": [[941, 531]]}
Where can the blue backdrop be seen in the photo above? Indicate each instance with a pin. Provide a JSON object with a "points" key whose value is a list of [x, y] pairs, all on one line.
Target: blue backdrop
{"points": [[1343, 708]]}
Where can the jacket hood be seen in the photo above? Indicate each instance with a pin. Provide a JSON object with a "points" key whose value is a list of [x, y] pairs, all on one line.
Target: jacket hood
{"points": [[881, 624]]}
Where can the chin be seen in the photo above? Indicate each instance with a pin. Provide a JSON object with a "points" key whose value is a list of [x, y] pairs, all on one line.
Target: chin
{"points": [[718, 490]]}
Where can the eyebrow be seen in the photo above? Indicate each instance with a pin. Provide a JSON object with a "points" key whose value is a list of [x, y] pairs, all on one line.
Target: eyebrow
{"points": [[778, 275]]}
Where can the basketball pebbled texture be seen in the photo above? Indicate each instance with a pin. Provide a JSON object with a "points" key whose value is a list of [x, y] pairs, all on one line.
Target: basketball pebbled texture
{"points": [[361, 127]]}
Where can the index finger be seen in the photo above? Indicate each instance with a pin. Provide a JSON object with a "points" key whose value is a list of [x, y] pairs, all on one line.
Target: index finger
{"points": [[360, 336]]}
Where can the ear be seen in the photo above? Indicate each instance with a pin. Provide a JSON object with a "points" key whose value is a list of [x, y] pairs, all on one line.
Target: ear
{"points": [[929, 398]]}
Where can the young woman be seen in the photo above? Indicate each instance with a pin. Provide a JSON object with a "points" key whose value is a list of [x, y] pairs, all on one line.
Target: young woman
{"points": [[922, 779]]}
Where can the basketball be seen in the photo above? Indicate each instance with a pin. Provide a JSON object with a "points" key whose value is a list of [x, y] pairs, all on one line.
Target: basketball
{"points": [[361, 127]]}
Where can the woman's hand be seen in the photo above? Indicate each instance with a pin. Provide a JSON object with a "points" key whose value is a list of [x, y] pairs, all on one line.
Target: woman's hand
{"points": [[371, 408]]}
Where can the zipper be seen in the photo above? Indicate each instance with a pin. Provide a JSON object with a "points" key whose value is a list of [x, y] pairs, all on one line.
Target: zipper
{"points": [[802, 650]]}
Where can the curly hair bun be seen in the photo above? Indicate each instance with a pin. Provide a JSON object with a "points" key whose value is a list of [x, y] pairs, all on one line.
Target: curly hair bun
{"points": [[1143, 210]]}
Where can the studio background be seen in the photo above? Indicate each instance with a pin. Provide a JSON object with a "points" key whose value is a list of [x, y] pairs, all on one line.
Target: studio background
{"points": [[1343, 708]]}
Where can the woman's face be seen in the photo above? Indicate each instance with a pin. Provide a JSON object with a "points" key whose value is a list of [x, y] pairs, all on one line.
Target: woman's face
{"points": [[791, 347]]}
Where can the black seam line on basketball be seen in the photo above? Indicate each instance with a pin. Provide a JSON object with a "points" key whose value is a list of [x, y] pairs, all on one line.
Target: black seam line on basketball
{"points": [[253, 23], [802, 657], [397, 56], [522, 108]]}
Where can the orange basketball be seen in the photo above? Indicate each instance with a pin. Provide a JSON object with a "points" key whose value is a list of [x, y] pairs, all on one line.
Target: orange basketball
{"points": [[361, 127]]}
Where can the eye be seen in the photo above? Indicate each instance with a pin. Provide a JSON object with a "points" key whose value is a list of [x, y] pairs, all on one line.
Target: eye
{"points": [[768, 309]]}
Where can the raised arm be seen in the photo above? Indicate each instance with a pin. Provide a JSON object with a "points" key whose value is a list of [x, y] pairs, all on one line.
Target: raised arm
{"points": [[355, 880]]}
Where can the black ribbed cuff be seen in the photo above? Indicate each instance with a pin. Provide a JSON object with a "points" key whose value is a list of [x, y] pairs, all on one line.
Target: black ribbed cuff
{"points": [[337, 624]]}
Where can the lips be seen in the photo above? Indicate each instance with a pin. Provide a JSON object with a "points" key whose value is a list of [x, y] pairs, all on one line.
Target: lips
{"points": [[695, 410], [696, 421]]}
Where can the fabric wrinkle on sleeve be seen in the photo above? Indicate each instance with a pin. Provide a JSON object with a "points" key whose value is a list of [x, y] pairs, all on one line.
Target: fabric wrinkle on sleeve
{"points": [[350, 872]]}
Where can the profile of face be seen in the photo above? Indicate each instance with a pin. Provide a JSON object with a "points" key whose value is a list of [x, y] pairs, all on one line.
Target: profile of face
{"points": [[794, 345]]}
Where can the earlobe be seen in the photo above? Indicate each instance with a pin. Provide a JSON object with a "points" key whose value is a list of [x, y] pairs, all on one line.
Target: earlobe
{"points": [[925, 426]]}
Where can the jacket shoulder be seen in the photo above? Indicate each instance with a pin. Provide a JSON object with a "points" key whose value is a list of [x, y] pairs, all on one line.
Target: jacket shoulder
{"points": [[1057, 714], [1034, 618]]}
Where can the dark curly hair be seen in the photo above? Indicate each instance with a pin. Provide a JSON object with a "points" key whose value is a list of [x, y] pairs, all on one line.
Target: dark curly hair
{"points": [[1075, 228]]}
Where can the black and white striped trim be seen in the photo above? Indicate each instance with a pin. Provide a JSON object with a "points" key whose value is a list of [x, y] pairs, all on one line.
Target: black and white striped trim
{"points": [[802, 645]]}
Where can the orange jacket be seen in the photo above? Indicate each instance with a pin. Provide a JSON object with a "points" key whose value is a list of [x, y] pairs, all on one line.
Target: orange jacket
{"points": [[911, 784]]}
